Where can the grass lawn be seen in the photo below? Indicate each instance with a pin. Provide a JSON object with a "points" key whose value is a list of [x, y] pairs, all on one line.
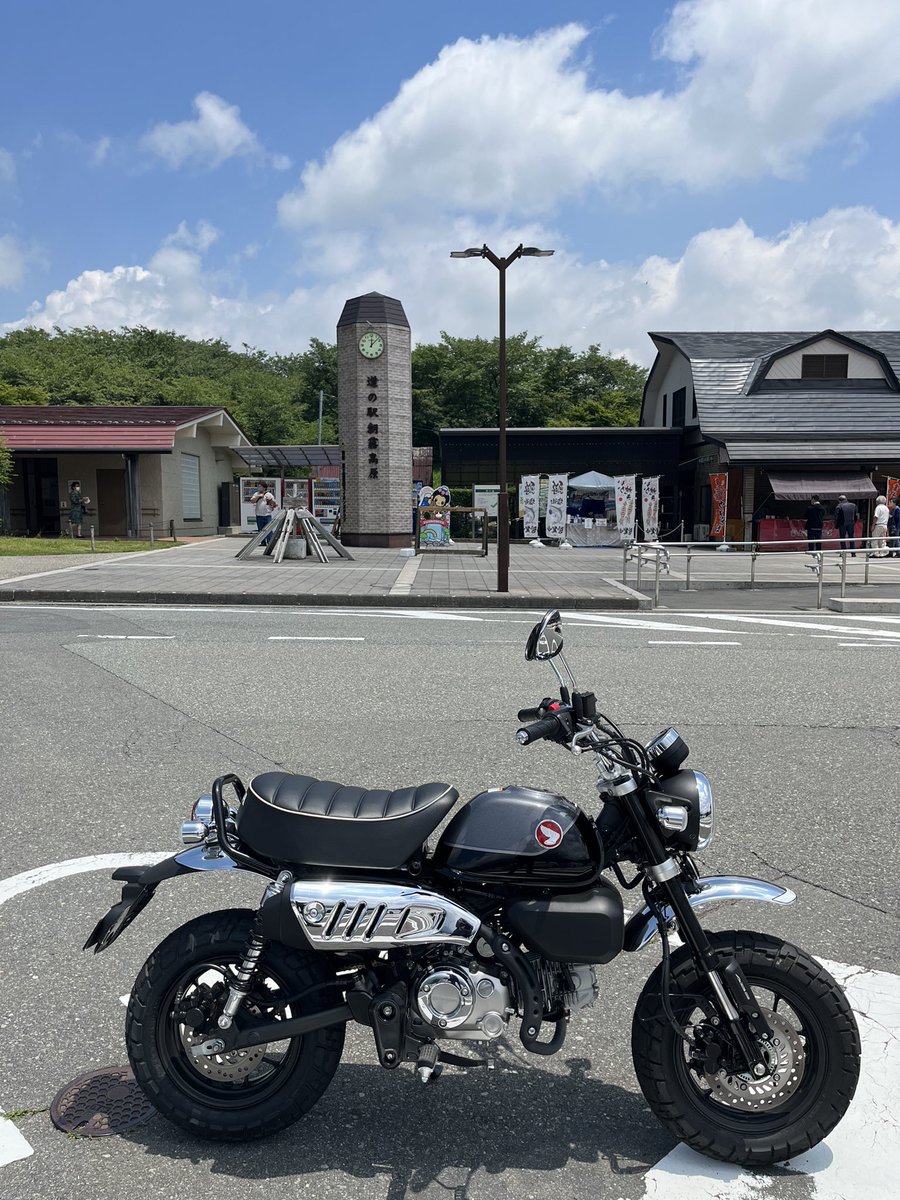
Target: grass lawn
{"points": [[17, 546]]}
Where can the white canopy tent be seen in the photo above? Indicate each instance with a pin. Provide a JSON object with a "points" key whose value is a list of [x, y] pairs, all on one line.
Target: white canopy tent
{"points": [[592, 481]]}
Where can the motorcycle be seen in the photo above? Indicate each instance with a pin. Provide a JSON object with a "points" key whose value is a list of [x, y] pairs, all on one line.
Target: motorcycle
{"points": [[744, 1046]]}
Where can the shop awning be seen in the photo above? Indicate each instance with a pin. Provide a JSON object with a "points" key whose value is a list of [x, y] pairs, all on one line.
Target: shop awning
{"points": [[802, 485], [593, 481], [277, 457]]}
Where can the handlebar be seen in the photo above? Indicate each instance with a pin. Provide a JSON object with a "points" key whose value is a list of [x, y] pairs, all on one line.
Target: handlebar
{"points": [[528, 714], [549, 726]]}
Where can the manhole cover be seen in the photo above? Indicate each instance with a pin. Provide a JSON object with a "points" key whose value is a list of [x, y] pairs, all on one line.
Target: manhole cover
{"points": [[101, 1103]]}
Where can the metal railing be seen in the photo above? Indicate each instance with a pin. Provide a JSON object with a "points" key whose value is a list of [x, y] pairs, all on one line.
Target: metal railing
{"points": [[660, 558]]}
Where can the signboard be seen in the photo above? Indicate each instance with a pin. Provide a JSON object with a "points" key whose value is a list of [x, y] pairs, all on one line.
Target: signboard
{"points": [[556, 506], [625, 485], [650, 507], [529, 492], [487, 496]]}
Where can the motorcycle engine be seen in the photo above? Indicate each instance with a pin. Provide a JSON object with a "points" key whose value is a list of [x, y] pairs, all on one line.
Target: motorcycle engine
{"points": [[566, 987], [462, 1000]]}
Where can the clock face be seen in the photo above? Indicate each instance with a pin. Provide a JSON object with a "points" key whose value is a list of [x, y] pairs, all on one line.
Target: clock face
{"points": [[371, 345]]}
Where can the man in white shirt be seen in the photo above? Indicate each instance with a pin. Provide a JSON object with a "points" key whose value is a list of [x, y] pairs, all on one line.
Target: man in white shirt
{"points": [[879, 527], [265, 505]]}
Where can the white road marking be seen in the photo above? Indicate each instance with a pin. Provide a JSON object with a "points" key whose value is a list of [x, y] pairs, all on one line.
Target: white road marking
{"points": [[868, 645], [111, 558], [129, 637], [599, 621], [674, 642], [311, 638], [12, 1144], [859, 1157], [754, 620], [15, 885], [407, 577]]}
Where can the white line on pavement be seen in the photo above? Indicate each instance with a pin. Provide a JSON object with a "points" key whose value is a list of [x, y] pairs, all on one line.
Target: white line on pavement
{"points": [[129, 637], [407, 577], [311, 638], [859, 1157], [111, 558], [799, 624], [24, 882], [12, 1144], [674, 642]]}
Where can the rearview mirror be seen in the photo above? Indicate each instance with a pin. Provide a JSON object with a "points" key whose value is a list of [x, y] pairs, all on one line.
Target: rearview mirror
{"points": [[545, 640]]}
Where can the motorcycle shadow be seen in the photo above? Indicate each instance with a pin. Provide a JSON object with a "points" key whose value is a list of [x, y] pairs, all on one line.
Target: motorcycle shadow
{"points": [[373, 1124]]}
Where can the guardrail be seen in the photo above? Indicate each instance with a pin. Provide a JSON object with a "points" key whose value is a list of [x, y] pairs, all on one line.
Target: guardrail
{"points": [[659, 557]]}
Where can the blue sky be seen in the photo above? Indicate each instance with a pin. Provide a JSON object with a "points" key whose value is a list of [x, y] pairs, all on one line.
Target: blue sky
{"points": [[238, 171]]}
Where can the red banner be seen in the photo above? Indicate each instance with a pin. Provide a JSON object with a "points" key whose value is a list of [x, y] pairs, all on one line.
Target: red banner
{"points": [[719, 485], [893, 489]]}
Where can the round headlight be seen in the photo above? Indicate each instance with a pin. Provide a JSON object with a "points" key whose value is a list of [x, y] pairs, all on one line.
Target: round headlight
{"points": [[705, 796]]}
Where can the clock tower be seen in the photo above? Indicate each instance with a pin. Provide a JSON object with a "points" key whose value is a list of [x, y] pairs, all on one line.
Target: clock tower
{"points": [[375, 421]]}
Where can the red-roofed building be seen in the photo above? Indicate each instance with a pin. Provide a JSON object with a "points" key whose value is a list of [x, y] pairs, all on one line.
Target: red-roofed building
{"points": [[139, 466]]}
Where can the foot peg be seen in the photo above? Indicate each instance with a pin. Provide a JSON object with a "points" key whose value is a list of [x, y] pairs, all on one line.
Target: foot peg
{"points": [[428, 1069]]}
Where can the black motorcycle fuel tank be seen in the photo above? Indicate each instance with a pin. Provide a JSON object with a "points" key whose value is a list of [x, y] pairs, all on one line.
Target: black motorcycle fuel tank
{"points": [[518, 835]]}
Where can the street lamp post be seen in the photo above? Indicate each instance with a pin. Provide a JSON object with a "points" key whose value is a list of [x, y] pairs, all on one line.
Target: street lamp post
{"points": [[503, 499]]}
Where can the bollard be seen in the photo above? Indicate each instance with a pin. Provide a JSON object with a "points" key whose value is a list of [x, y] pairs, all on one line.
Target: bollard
{"points": [[821, 558], [625, 563], [687, 571], [656, 584], [640, 564], [753, 553], [843, 572], [93, 543], [866, 575], [151, 535], [172, 529]]}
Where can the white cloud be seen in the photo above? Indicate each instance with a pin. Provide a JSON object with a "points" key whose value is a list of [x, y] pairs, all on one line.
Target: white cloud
{"points": [[7, 168], [201, 238], [840, 270], [100, 150], [515, 125], [12, 262], [215, 135]]}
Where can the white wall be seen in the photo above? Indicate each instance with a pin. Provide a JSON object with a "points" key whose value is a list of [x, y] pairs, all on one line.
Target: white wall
{"points": [[668, 380], [859, 365], [216, 466]]}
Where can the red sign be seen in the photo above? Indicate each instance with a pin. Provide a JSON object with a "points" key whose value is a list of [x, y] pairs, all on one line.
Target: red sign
{"points": [[719, 485], [548, 834]]}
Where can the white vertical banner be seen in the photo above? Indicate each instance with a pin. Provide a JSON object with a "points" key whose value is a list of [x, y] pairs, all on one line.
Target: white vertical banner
{"points": [[650, 507], [625, 486], [557, 486], [530, 495]]}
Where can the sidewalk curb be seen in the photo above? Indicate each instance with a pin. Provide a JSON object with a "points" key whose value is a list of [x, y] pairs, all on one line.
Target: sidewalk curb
{"points": [[325, 600]]}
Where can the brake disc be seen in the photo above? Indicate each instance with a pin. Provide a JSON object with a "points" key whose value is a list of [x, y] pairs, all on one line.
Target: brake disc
{"points": [[785, 1059], [225, 1068]]}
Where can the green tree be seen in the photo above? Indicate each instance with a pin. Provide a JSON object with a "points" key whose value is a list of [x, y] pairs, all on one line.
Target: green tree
{"points": [[6, 464]]}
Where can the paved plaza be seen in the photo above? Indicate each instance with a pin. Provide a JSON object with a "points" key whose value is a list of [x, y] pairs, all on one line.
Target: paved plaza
{"points": [[209, 572]]}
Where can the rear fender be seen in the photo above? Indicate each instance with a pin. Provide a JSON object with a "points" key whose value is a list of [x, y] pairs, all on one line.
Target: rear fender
{"points": [[139, 884]]}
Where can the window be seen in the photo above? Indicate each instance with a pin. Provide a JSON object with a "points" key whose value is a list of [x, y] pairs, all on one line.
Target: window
{"points": [[665, 405], [190, 487], [694, 404], [824, 366], [678, 399]]}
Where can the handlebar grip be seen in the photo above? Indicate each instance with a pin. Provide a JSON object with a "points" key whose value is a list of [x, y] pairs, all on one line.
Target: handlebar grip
{"points": [[528, 714], [546, 727]]}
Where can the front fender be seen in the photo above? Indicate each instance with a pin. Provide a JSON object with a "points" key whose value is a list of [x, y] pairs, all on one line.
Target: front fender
{"points": [[642, 926], [139, 884]]}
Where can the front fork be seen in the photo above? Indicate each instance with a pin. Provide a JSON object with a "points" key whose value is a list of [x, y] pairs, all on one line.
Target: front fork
{"points": [[734, 998]]}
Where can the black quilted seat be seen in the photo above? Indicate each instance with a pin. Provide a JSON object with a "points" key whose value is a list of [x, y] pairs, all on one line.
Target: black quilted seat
{"points": [[298, 819]]}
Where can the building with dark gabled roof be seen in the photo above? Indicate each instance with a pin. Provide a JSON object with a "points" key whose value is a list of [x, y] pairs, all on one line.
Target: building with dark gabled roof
{"points": [[788, 415], [140, 465]]}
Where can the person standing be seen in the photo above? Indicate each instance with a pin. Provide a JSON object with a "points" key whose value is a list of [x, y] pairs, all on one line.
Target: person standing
{"points": [[894, 530], [879, 528], [815, 519], [77, 504], [265, 505], [846, 515]]}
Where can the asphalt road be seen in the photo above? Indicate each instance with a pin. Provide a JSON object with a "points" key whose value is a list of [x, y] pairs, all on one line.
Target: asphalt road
{"points": [[114, 720]]}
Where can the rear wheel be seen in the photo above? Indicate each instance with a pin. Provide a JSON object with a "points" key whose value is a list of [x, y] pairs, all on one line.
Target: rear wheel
{"points": [[246, 1093], [697, 1090]]}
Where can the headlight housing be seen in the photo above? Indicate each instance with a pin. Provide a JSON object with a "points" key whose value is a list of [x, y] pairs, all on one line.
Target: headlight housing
{"points": [[691, 792]]}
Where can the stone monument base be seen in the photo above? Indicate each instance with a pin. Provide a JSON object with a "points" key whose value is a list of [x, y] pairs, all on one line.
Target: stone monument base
{"points": [[376, 539]]}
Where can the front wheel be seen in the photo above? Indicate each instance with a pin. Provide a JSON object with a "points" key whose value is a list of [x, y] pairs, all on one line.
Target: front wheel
{"points": [[708, 1102], [246, 1093]]}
